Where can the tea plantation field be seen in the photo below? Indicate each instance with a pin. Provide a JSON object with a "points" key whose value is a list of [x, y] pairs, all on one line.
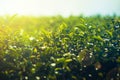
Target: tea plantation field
{"points": [[59, 48]]}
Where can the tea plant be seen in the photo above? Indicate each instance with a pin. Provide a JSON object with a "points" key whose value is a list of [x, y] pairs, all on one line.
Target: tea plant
{"points": [[57, 48]]}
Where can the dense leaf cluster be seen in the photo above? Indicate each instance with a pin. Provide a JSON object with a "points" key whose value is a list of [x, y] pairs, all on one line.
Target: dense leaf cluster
{"points": [[57, 48]]}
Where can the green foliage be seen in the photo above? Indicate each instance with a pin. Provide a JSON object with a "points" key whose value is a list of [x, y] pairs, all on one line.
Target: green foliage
{"points": [[57, 48]]}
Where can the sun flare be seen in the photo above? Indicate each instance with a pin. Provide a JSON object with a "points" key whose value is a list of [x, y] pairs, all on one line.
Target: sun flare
{"points": [[62, 7]]}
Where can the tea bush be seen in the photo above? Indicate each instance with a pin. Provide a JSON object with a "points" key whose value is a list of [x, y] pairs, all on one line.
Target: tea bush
{"points": [[57, 48]]}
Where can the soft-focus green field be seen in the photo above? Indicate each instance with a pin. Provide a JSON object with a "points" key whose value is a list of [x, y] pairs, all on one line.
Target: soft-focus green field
{"points": [[58, 48]]}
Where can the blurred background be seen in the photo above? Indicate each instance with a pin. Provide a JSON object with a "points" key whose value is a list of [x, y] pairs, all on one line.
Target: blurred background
{"points": [[59, 7]]}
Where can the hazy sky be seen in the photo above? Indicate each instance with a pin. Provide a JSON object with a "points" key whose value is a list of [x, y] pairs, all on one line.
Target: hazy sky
{"points": [[62, 7]]}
